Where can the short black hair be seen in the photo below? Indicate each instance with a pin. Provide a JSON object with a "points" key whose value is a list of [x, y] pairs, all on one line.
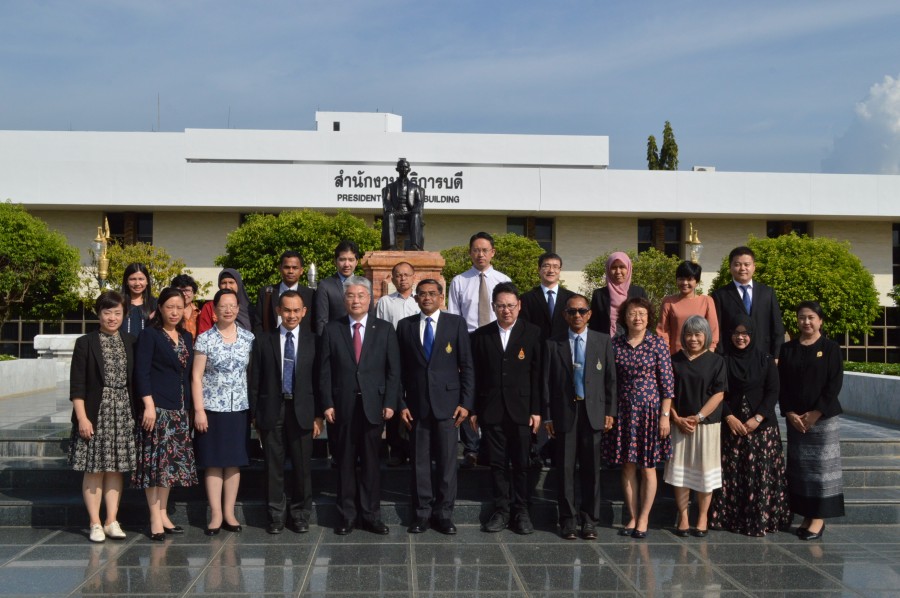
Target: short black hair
{"points": [[504, 287], [345, 246], [548, 256], [184, 280], [579, 296], [481, 235], [688, 269], [430, 281], [739, 251], [109, 300], [221, 293], [290, 293], [814, 306], [289, 254], [633, 302]]}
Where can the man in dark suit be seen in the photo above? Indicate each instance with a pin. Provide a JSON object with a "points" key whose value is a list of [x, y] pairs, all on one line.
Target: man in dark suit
{"points": [[745, 296], [579, 405], [291, 269], [283, 406], [507, 357], [359, 385], [439, 386], [330, 292]]}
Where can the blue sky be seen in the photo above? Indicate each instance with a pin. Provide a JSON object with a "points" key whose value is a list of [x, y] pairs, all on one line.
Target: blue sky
{"points": [[778, 86]]}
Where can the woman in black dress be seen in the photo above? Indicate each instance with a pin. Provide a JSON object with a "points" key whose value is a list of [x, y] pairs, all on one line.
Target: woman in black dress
{"points": [[811, 373], [102, 443], [753, 499]]}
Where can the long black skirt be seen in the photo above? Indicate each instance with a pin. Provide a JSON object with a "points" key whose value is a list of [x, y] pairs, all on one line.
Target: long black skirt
{"points": [[815, 478]]}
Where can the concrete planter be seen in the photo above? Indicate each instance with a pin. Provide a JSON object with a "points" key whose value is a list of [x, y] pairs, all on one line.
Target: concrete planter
{"points": [[22, 376], [871, 396]]}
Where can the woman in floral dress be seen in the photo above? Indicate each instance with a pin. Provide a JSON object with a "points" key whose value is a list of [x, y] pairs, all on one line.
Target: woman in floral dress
{"points": [[221, 357], [162, 380], [640, 438]]}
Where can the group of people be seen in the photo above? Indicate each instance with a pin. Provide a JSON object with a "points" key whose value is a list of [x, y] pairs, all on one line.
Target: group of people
{"points": [[164, 389]]}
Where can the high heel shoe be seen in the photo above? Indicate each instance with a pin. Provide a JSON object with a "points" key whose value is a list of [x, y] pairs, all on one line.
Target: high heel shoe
{"points": [[212, 531], [626, 531], [236, 529], [157, 537], [808, 535], [682, 533], [174, 530]]}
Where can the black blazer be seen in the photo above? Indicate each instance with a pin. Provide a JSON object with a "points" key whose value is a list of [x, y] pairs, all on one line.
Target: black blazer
{"points": [[329, 302], [507, 381], [811, 377], [768, 327], [536, 311], [267, 317], [86, 374], [761, 398], [158, 373], [600, 308], [377, 376], [437, 386], [599, 381], [265, 380]]}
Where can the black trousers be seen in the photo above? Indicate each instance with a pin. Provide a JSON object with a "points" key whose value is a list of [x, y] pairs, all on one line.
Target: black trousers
{"points": [[509, 442], [581, 445], [434, 496], [357, 438], [287, 438]]}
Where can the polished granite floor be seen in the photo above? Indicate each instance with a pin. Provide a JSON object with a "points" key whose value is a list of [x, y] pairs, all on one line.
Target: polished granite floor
{"points": [[851, 561]]}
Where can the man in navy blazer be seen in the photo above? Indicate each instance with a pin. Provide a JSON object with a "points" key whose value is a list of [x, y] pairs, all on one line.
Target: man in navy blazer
{"points": [[359, 382], [579, 405], [438, 384], [507, 357], [286, 421], [764, 311]]}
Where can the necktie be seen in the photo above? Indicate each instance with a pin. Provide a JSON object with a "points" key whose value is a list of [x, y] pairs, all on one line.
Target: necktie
{"points": [[551, 302], [357, 341], [287, 373], [428, 340], [745, 290], [484, 302], [579, 368]]}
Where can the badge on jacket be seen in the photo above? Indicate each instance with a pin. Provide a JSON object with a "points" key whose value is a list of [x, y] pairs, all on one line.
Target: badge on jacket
{"points": [[819, 354], [521, 353], [449, 349], [599, 365]]}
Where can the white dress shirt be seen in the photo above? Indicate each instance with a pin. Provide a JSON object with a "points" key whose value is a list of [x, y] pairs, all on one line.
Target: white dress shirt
{"points": [[504, 333], [741, 291], [394, 308], [464, 290], [434, 318], [362, 329]]}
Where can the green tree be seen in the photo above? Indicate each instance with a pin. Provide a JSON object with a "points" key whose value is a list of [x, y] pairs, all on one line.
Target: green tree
{"points": [[800, 268], [39, 270], [254, 247], [667, 157], [162, 267], [516, 256], [651, 269]]}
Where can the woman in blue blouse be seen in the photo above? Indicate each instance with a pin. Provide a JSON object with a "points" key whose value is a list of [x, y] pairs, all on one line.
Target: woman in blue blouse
{"points": [[221, 357]]}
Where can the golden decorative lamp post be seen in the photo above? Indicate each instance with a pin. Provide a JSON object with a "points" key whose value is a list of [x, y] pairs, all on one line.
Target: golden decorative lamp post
{"points": [[100, 244], [693, 246]]}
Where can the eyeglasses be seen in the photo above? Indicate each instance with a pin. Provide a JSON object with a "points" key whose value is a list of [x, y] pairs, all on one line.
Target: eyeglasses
{"points": [[581, 311], [551, 267], [428, 294], [186, 290], [227, 308], [481, 251], [506, 306], [740, 334]]}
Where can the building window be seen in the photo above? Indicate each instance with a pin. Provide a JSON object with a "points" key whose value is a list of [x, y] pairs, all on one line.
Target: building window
{"points": [[539, 229], [336, 126], [128, 228], [777, 228], [663, 235], [897, 253]]}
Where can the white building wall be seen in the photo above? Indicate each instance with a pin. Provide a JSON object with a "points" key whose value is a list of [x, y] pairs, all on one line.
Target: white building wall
{"points": [[79, 227]]}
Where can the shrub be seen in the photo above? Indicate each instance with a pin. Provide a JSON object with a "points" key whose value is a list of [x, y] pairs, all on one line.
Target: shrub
{"points": [[886, 369], [516, 256]]}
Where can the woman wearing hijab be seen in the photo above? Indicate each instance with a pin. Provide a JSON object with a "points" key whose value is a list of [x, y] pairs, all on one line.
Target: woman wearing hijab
{"points": [[229, 278], [606, 301], [753, 499]]}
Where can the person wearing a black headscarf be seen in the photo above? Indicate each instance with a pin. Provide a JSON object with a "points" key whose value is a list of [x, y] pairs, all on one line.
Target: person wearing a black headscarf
{"points": [[753, 498], [229, 278]]}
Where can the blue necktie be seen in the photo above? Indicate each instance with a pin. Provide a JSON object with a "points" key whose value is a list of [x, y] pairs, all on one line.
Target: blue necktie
{"points": [[579, 368], [745, 289], [287, 373], [428, 340], [551, 302]]}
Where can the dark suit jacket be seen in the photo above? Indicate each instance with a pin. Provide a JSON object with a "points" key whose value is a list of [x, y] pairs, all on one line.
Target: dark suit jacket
{"points": [[437, 386], [377, 376], [768, 327], [158, 373], [265, 380], [507, 381], [86, 374], [600, 308], [329, 302], [599, 381], [536, 311], [268, 317]]}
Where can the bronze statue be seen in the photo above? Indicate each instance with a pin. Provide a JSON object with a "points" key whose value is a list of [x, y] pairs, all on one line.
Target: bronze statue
{"points": [[403, 202]]}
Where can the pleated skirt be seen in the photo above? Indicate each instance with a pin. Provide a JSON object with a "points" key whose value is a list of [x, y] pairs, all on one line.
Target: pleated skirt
{"points": [[696, 461]]}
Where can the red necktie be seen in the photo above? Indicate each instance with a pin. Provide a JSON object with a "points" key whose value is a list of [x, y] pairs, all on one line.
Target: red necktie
{"points": [[357, 341]]}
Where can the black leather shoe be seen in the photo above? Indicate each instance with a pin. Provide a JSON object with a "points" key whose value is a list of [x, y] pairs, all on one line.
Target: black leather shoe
{"points": [[699, 533], [567, 530], [275, 528], [683, 533], [376, 527], [344, 528], [626, 531], [157, 537], [420, 525], [300, 526], [212, 531], [446, 527], [588, 531], [522, 524], [808, 535], [638, 535], [174, 530], [236, 529], [497, 522]]}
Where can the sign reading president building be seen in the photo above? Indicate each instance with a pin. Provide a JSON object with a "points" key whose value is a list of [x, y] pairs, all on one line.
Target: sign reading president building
{"points": [[363, 187]]}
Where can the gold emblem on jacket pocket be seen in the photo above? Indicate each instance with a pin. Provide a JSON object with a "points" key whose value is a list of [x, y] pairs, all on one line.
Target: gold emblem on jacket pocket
{"points": [[599, 366], [521, 353], [819, 354], [449, 349]]}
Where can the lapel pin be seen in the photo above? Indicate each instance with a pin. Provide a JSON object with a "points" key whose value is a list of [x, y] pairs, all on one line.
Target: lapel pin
{"points": [[521, 353], [449, 349]]}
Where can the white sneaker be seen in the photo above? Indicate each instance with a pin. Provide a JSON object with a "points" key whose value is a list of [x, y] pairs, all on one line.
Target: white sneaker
{"points": [[114, 531], [97, 534]]}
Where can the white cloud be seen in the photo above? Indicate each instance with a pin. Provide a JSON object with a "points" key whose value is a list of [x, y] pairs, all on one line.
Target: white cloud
{"points": [[872, 143]]}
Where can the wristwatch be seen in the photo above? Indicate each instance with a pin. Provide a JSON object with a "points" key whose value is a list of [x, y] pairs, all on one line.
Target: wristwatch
{"points": [[664, 413], [700, 417], [758, 418]]}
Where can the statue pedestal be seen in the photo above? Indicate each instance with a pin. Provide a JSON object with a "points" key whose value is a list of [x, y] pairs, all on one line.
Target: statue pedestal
{"points": [[378, 264]]}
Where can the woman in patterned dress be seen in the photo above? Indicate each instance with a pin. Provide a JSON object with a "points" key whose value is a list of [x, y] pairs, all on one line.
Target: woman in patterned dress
{"points": [[163, 382], [645, 385], [753, 499], [102, 414], [221, 357]]}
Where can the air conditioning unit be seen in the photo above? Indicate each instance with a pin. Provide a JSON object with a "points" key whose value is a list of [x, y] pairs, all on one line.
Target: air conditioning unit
{"points": [[704, 168]]}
